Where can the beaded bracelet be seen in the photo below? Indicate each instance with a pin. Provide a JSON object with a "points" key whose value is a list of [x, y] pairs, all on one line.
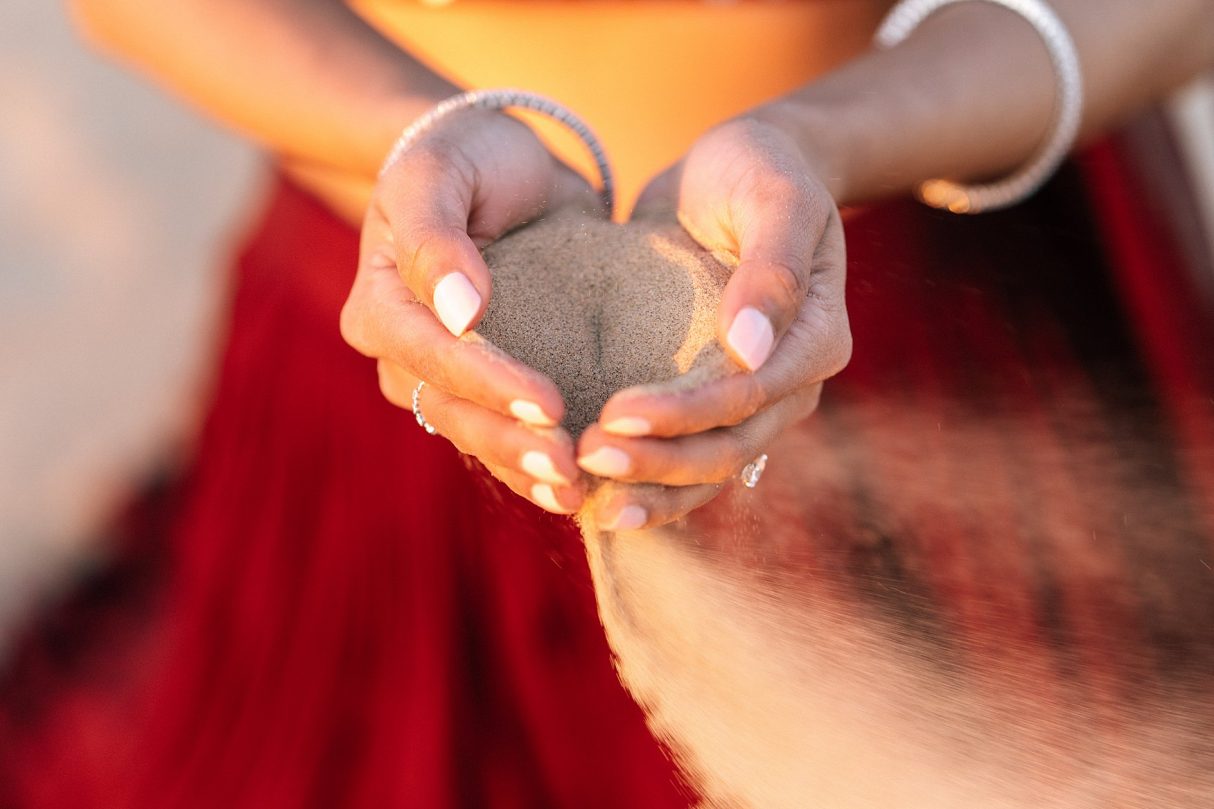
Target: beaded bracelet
{"points": [[500, 100], [958, 198]]}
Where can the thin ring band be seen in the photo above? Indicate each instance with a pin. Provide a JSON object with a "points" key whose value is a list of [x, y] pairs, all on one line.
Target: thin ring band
{"points": [[500, 100], [958, 198], [417, 410]]}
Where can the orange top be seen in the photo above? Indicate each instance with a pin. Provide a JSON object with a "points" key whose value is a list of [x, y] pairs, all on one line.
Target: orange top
{"points": [[648, 77]]}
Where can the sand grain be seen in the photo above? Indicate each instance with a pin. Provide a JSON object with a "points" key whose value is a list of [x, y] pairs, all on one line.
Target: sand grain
{"points": [[599, 307]]}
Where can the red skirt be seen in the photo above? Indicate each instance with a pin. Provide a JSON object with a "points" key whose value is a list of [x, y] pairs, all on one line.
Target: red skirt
{"points": [[333, 608]]}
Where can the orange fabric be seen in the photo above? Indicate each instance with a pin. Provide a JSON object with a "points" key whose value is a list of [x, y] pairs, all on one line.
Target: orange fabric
{"points": [[647, 77]]}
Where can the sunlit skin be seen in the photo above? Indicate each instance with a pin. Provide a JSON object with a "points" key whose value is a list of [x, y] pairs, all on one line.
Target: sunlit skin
{"points": [[896, 649], [325, 90]]}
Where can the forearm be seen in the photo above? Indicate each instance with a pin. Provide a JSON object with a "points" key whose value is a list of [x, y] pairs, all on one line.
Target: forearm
{"points": [[308, 78], [971, 92]]}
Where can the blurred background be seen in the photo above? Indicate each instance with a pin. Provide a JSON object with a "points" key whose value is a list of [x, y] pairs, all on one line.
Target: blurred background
{"points": [[118, 209]]}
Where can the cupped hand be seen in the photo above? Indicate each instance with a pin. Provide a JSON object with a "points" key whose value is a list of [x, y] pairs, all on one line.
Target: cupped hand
{"points": [[421, 285], [747, 193]]}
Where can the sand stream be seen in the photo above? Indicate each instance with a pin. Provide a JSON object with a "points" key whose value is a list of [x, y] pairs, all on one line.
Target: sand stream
{"points": [[823, 640]]}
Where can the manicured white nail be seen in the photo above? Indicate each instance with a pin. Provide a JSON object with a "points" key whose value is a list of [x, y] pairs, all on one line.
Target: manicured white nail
{"points": [[542, 493], [531, 413], [606, 462], [751, 337], [456, 301], [628, 426], [629, 518], [540, 466]]}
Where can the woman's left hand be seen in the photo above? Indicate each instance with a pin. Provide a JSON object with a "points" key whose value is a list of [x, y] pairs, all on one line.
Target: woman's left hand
{"points": [[744, 189]]}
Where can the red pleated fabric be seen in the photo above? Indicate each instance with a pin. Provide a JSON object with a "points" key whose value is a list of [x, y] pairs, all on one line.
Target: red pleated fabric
{"points": [[334, 609], [355, 616]]}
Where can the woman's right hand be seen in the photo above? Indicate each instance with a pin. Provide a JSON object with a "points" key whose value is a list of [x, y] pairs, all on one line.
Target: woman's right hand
{"points": [[421, 285]]}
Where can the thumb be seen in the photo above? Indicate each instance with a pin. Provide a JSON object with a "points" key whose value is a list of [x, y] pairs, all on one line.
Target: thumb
{"points": [[425, 200]]}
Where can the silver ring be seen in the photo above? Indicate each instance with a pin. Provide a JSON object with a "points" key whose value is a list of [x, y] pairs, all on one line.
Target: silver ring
{"points": [[753, 471], [417, 410]]}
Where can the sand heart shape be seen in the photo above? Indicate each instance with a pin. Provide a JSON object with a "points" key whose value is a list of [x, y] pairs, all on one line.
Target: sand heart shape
{"points": [[599, 307]]}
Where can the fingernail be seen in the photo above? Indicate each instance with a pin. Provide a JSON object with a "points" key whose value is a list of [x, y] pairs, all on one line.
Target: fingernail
{"points": [[542, 493], [456, 301], [606, 462], [539, 465], [629, 427], [751, 337], [629, 518], [531, 413]]}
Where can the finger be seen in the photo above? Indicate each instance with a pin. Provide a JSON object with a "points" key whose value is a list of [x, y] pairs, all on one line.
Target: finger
{"points": [[382, 318], [554, 499], [537, 474], [546, 455], [713, 456], [630, 507], [426, 198], [777, 222], [533, 465], [678, 408], [459, 188], [666, 411], [747, 192], [776, 289]]}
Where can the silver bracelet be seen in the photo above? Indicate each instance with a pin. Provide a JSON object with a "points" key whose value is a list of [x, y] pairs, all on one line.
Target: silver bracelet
{"points": [[500, 100], [958, 198]]}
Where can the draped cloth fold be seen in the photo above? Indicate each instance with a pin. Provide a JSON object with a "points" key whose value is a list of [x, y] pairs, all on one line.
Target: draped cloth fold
{"points": [[1000, 502]]}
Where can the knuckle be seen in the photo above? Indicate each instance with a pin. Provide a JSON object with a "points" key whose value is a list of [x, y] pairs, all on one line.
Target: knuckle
{"points": [[443, 158], [725, 454], [391, 388], [458, 439], [832, 338], [450, 367], [788, 284], [737, 400], [682, 502], [394, 396], [658, 463], [766, 190], [656, 498], [437, 407], [426, 367], [428, 248], [507, 477], [352, 325], [782, 187], [736, 453], [659, 456], [801, 404], [451, 429], [431, 156], [820, 212], [750, 400], [842, 348], [831, 222], [812, 398]]}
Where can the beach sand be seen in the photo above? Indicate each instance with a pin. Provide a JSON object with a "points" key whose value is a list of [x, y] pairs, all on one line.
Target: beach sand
{"points": [[599, 307]]}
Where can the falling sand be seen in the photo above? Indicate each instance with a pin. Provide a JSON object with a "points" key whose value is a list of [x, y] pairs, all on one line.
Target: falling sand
{"points": [[868, 628]]}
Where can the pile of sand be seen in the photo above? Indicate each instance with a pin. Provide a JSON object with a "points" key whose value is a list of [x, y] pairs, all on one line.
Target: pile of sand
{"points": [[599, 306]]}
